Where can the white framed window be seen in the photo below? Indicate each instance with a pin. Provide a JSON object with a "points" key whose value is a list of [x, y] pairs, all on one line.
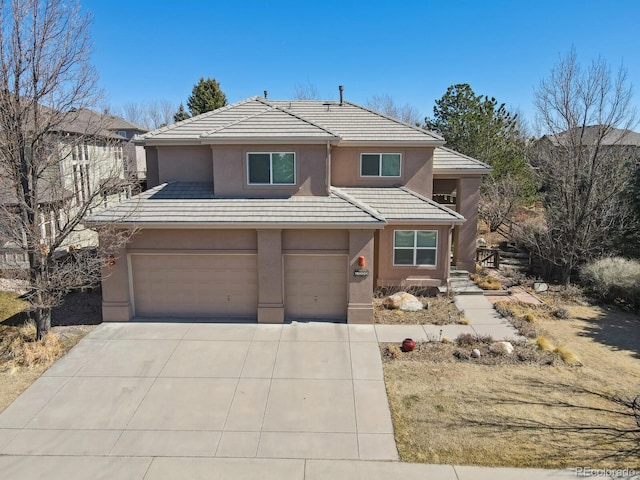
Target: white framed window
{"points": [[122, 133], [380, 164], [80, 168], [271, 168], [415, 247]]}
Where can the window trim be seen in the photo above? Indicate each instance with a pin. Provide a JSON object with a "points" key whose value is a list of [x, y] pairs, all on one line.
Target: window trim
{"points": [[380, 154], [295, 179], [415, 248]]}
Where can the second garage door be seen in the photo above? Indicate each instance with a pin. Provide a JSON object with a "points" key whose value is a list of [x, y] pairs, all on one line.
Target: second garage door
{"points": [[315, 286], [195, 285]]}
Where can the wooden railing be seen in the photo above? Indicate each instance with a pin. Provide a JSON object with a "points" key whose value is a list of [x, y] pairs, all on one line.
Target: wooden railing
{"points": [[488, 257]]}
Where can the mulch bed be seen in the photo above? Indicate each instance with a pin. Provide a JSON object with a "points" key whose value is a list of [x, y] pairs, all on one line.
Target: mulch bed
{"points": [[79, 308], [440, 310], [439, 352]]}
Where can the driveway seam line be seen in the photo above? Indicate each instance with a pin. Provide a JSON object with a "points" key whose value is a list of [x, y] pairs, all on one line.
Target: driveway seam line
{"points": [[235, 392], [266, 404]]}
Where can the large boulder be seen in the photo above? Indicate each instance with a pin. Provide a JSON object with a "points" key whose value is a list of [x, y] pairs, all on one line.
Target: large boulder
{"points": [[403, 301], [501, 348]]}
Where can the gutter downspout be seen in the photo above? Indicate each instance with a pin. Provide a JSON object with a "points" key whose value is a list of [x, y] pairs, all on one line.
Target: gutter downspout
{"points": [[328, 168]]}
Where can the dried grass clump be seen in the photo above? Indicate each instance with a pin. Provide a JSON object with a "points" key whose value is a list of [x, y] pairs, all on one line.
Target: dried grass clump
{"points": [[394, 351], [486, 282], [614, 279], [529, 317], [25, 351], [465, 339], [567, 355], [464, 321], [545, 344]]}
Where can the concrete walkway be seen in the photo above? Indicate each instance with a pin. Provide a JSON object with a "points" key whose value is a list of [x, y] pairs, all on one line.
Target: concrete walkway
{"points": [[202, 401], [484, 319]]}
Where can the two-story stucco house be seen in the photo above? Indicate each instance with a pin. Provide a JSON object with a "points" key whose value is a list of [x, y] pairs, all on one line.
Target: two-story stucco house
{"points": [[285, 210]]}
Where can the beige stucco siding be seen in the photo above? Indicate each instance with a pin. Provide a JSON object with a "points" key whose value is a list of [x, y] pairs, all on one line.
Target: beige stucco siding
{"points": [[185, 164], [229, 240], [415, 170], [389, 274], [315, 240], [230, 171]]}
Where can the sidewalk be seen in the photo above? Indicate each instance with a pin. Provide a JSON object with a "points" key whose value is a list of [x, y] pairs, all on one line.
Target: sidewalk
{"points": [[177, 468]]}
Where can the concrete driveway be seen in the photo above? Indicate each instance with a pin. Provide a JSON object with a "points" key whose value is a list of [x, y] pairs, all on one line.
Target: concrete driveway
{"points": [[167, 401], [301, 390]]}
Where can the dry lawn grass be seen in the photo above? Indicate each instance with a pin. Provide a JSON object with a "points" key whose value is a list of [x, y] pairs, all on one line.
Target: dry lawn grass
{"points": [[441, 311], [527, 415], [22, 359]]}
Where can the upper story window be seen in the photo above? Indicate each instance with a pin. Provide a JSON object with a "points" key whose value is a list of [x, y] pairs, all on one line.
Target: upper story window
{"points": [[272, 168], [122, 133], [380, 164], [415, 247]]}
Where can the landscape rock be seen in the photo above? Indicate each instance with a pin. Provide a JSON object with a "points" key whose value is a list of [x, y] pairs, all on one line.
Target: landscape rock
{"points": [[475, 353], [501, 348], [403, 301], [540, 287]]}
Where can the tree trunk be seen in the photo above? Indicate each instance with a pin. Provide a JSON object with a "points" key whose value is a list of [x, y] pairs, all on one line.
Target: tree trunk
{"points": [[43, 322]]}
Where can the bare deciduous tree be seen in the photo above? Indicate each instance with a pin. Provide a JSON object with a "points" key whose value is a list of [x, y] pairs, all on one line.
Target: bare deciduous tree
{"points": [[499, 197], [385, 104], [50, 144], [582, 162], [151, 115], [306, 91]]}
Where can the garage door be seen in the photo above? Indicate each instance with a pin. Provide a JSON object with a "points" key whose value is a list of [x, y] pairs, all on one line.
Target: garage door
{"points": [[315, 286], [195, 285]]}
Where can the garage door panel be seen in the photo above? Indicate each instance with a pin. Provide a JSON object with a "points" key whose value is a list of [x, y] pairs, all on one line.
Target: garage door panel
{"points": [[315, 286], [195, 285]]}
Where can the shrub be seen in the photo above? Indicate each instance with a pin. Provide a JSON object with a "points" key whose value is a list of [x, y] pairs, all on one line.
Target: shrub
{"points": [[567, 355], [545, 344], [561, 312], [614, 279]]}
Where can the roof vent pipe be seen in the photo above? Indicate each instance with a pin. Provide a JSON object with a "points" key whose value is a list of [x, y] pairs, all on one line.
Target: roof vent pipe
{"points": [[266, 94], [341, 88]]}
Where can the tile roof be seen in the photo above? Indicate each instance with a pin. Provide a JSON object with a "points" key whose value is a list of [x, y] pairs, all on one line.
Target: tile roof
{"points": [[271, 123], [356, 123], [400, 203], [256, 118], [590, 135], [184, 203], [447, 159]]}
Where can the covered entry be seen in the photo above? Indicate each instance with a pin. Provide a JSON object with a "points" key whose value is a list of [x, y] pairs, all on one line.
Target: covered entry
{"points": [[194, 285], [315, 286]]}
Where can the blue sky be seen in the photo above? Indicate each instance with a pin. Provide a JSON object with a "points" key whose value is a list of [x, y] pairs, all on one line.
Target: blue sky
{"points": [[412, 50]]}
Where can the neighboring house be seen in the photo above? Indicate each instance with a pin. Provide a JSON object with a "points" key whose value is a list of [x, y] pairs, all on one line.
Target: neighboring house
{"points": [[86, 158], [134, 158], [275, 210], [624, 142]]}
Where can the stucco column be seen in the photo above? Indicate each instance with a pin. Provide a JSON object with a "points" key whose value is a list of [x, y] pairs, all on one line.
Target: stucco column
{"points": [[360, 308], [116, 304], [270, 286], [467, 200]]}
